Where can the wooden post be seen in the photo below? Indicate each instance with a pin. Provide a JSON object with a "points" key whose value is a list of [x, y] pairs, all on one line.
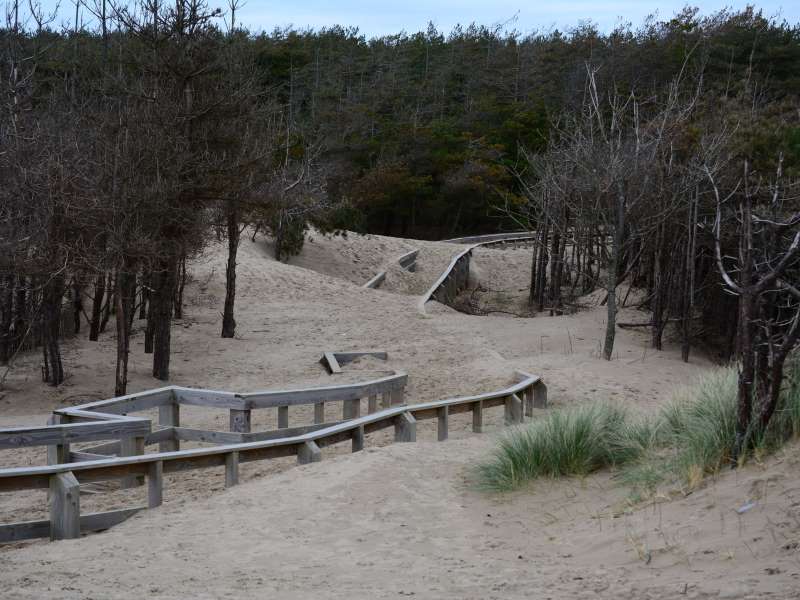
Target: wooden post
{"points": [[155, 484], [477, 416], [169, 415], [372, 404], [240, 420], [513, 410], [319, 412], [405, 428], [528, 401], [386, 399], [443, 414], [283, 417], [59, 453], [351, 409], [308, 453], [358, 438], [231, 469], [65, 506], [397, 396], [131, 446], [539, 395]]}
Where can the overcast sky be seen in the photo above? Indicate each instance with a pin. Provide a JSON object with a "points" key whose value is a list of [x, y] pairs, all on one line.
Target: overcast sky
{"points": [[379, 17]]}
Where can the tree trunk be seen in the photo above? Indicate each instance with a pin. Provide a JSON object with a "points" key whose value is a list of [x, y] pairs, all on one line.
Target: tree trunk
{"points": [[97, 307], [6, 318], [124, 298], [228, 321], [108, 302], [613, 275], [53, 369], [163, 302]]}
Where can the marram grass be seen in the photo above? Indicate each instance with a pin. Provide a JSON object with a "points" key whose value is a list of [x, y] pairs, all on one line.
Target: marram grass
{"points": [[571, 441], [692, 438]]}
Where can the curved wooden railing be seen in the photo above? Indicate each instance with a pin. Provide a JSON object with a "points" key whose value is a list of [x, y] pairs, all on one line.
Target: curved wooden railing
{"points": [[63, 480], [455, 277], [408, 261]]}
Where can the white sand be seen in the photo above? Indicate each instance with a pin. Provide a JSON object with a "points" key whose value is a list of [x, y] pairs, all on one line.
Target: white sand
{"points": [[396, 520]]}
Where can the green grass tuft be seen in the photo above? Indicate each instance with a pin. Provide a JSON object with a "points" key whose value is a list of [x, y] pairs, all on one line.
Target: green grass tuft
{"points": [[693, 437], [574, 441]]}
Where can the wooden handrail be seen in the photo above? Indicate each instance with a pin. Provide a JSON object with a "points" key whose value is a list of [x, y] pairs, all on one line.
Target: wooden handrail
{"points": [[19, 478]]}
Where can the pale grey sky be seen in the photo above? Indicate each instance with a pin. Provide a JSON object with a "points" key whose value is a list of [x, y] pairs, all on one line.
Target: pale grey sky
{"points": [[383, 17]]}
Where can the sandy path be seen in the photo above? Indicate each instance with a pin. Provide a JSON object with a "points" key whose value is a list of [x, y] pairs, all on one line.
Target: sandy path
{"points": [[405, 521]]}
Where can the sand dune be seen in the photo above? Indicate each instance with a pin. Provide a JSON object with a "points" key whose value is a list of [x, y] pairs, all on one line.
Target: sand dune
{"points": [[397, 520]]}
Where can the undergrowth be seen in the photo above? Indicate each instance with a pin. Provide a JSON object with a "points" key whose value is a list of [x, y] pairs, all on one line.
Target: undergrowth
{"points": [[692, 438]]}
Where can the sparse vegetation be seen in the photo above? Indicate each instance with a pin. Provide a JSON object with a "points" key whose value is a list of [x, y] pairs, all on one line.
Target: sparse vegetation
{"points": [[692, 438], [571, 441]]}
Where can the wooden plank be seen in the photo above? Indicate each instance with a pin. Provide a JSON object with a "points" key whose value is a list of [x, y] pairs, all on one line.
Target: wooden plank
{"points": [[346, 357], [397, 396], [135, 402], [60, 434], [169, 415], [319, 412], [372, 404], [376, 281], [155, 484], [351, 409], [27, 530], [329, 360], [210, 398], [284, 433], [30, 530], [267, 399], [111, 448], [65, 506], [240, 421], [84, 456], [408, 259], [442, 424], [209, 437], [283, 417], [539, 395], [528, 397], [405, 428], [106, 520], [514, 412], [477, 416], [358, 439], [231, 469], [309, 452], [132, 446]]}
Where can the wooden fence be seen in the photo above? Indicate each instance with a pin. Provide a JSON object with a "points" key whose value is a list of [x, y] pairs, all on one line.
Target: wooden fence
{"points": [[408, 261], [63, 480], [455, 277]]}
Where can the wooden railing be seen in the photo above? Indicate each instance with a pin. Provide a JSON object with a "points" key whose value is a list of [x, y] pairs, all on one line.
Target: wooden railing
{"points": [[408, 261], [63, 480], [455, 277]]}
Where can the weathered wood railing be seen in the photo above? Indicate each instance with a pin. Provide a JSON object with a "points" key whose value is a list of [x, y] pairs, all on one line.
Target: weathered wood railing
{"points": [[63, 480], [408, 261], [455, 277]]}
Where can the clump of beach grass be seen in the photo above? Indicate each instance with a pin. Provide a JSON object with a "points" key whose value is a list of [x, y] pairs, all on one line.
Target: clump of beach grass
{"points": [[570, 441], [690, 439]]}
